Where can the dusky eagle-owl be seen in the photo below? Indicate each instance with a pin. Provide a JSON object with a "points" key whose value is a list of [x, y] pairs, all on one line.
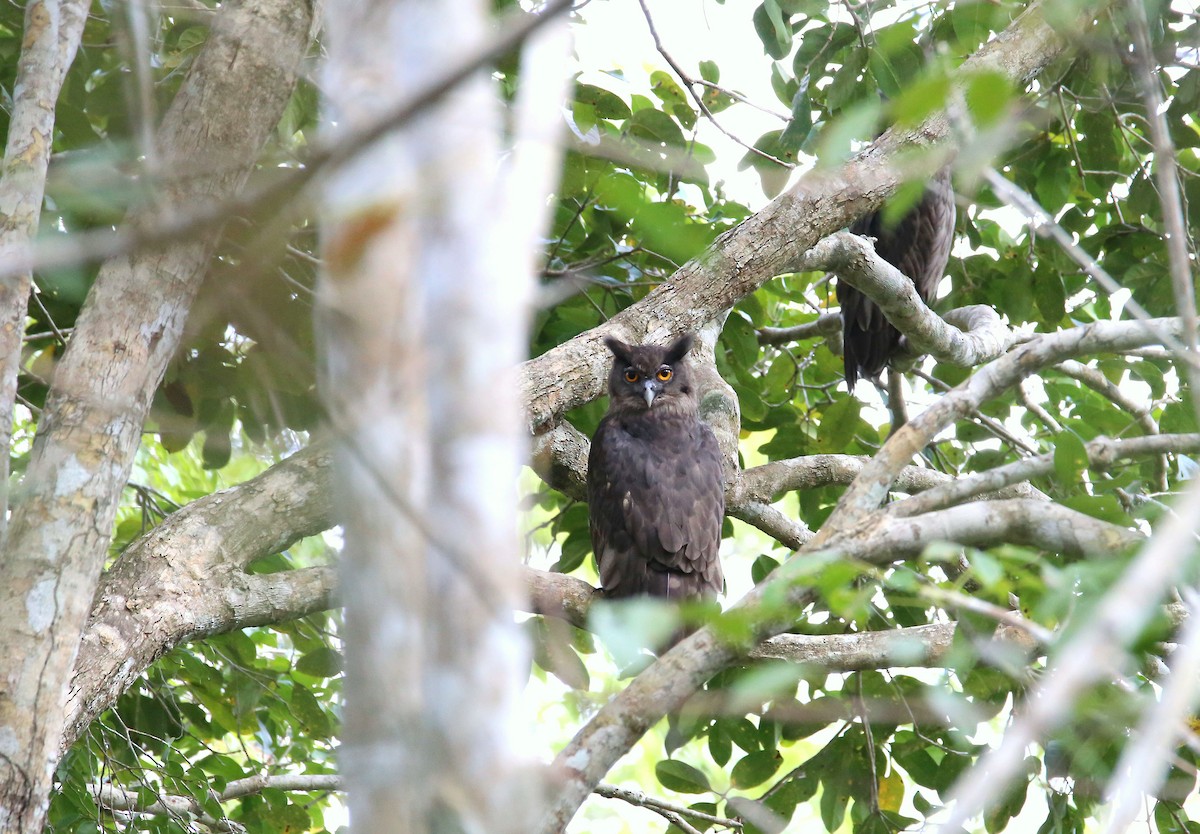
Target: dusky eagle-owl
{"points": [[655, 482]]}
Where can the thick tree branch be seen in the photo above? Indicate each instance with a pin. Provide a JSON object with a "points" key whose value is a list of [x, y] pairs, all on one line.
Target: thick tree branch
{"points": [[787, 531], [767, 482], [186, 579], [927, 645], [1044, 525], [970, 336]]}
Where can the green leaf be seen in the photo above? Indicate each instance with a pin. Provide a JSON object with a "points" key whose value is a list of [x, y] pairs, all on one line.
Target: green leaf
{"points": [[834, 799], [1170, 818], [741, 339], [1049, 293], [575, 549], [321, 663], [743, 733], [681, 777], [306, 707], [1070, 459], [720, 747], [775, 34], [755, 768], [989, 95], [604, 104], [762, 567], [838, 425]]}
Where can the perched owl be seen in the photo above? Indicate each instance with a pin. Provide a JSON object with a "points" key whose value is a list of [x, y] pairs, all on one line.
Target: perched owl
{"points": [[919, 246], [655, 482]]}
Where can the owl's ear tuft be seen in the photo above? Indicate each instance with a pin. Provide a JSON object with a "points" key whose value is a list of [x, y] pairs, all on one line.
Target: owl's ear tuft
{"points": [[620, 350], [679, 348]]}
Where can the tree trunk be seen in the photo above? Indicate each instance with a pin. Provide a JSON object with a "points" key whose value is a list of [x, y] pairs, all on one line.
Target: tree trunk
{"points": [[423, 315]]}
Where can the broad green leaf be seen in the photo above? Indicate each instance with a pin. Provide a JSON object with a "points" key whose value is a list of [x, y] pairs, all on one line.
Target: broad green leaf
{"points": [[755, 768], [681, 777]]}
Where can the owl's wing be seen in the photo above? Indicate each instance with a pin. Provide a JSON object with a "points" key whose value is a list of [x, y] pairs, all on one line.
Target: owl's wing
{"points": [[657, 504]]}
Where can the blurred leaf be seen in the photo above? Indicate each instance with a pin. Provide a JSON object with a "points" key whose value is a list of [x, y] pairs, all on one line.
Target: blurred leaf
{"points": [[681, 777], [755, 768]]}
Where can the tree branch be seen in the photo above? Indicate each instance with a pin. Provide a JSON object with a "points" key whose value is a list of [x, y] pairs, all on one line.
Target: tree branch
{"points": [[767, 482], [658, 805], [186, 579], [926, 645], [1166, 177], [1099, 383], [114, 798], [1044, 525], [983, 335], [1101, 453], [787, 531], [870, 488], [825, 324], [53, 31]]}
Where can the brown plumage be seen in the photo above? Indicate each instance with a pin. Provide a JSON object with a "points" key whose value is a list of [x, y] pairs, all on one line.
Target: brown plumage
{"points": [[919, 246], [655, 484]]}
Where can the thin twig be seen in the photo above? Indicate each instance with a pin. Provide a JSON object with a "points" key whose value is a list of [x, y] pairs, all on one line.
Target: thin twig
{"points": [[992, 425], [643, 801], [690, 85], [738, 97], [1098, 382], [1026, 401]]}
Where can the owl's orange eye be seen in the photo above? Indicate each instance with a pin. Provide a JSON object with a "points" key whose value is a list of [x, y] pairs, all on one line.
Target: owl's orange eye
{"points": [[631, 375], [664, 374]]}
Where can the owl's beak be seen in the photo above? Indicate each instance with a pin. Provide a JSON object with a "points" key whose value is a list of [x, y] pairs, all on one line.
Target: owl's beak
{"points": [[650, 392]]}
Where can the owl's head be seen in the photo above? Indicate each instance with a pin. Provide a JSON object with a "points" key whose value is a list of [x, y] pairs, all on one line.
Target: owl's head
{"points": [[651, 378]]}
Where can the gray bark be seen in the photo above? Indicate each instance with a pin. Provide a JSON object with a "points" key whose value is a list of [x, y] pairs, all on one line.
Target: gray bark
{"points": [[52, 33]]}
